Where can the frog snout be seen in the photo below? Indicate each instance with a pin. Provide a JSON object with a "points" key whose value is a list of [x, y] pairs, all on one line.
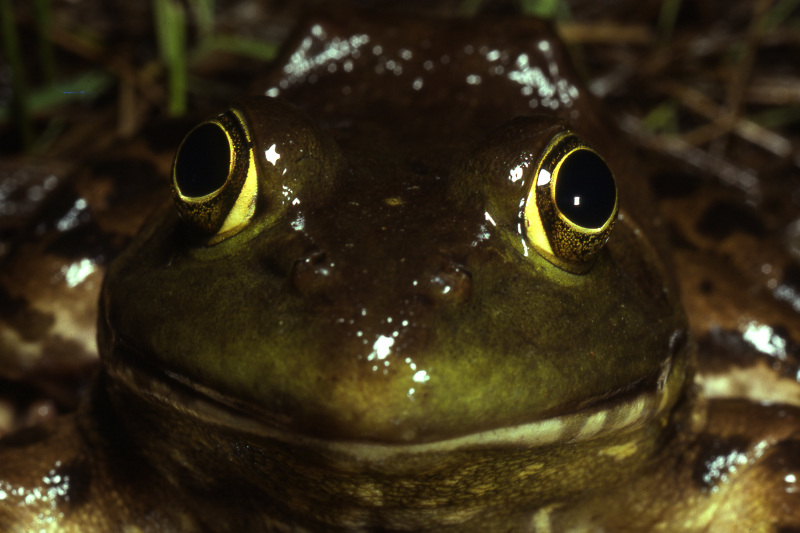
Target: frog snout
{"points": [[443, 281]]}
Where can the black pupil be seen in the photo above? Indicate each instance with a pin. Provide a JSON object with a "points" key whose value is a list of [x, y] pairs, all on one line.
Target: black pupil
{"points": [[203, 161], [585, 189]]}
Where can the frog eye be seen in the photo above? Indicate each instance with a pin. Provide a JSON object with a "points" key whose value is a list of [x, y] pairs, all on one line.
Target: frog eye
{"points": [[572, 204], [214, 181]]}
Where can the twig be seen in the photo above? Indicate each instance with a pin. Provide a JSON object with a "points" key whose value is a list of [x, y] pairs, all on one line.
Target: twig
{"points": [[723, 121]]}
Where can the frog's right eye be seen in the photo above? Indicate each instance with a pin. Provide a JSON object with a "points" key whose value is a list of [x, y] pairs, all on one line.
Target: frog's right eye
{"points": [[572, 204], [214, 181]]}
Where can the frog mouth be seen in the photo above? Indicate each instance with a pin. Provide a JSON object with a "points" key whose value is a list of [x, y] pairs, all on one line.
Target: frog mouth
{"points": [[623, 412]]}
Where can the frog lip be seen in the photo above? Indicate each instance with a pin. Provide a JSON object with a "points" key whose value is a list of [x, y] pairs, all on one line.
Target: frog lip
{"points": [[621, 413]]}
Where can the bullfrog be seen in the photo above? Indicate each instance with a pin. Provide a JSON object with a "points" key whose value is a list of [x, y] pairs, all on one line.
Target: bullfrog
{"points": [[414, 282]]}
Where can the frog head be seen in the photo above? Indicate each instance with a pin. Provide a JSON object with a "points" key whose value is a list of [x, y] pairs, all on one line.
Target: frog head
{"points": [[447, 307]]}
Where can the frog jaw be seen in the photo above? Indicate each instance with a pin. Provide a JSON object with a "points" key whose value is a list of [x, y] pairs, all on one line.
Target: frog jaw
{"points": [[621, 413], [463, 480]]}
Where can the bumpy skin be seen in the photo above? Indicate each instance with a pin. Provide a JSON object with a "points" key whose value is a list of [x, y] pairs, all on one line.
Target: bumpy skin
{"points": [[380, 348]]}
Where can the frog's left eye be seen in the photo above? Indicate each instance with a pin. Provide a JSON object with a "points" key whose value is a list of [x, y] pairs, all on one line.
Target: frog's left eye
{"points": [[214, 180], [572, 204]]}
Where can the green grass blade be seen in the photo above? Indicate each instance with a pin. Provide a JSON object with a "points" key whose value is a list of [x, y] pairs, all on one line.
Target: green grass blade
{"points": [[203, 11], [546, 9], [13, 52], [42, 14], [85, 86], [170, 21], [243, 46], [667, 18]]}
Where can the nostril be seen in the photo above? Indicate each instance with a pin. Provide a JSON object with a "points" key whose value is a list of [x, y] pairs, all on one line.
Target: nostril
{"points": [[312, 272], [452, 283]]}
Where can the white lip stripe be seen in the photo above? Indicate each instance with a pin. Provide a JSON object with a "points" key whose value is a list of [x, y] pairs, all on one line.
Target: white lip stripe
{"points": [[593, 425], [574, 427]]}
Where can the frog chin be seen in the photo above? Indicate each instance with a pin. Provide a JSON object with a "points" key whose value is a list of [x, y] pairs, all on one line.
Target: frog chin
{"points": [[621, 413]]}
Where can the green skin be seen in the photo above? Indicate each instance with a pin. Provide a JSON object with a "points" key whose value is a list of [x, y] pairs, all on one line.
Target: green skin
{"points": [[351, 358]]}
